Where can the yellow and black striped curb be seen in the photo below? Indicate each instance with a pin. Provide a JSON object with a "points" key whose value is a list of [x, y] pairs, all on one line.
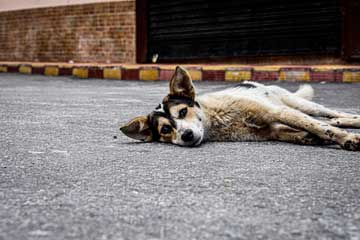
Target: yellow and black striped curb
{"points": [[204, 73]]}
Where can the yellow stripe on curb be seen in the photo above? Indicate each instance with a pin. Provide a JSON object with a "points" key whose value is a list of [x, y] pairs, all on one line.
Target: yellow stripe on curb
{"points": [[237, 75], [51, 71], [196, 75], [322, 69], [294, 76], [266, 68], [351, 77], [81, 72], [3, 69], [25, 69], [214, 68], [112, 73], [167, 67], [149, 74]]}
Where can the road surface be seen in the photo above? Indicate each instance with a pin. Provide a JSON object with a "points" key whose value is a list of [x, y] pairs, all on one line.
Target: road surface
{"points": [[66, 172]]}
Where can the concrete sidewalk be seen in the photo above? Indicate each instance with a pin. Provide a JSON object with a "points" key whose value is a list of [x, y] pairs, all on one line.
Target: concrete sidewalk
{"points": [[66, 172], [206, 72]]}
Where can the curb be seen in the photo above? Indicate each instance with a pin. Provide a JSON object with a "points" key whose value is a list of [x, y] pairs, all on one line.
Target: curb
{"points": [[346, 74]]}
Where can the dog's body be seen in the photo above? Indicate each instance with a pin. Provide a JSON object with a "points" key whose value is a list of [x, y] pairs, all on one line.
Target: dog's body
{"points": [[237, 114], [247, 112]]}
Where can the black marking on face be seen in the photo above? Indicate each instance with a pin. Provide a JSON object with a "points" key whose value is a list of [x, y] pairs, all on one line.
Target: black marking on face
{"points": [[158, 107], [166, 129], [182, 113], [153, 120], [173, 101], [197, 104], [246, 85]]}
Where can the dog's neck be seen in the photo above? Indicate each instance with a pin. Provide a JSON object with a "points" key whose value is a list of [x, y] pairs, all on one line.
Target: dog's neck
{"points": [[223, 120], [213, 117]]}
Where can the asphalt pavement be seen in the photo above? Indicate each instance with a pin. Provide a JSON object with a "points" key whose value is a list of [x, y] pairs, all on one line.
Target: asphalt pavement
{"points": [[66, 172]]}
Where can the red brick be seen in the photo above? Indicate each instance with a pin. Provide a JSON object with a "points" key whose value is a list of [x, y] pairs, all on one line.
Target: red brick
{"points": [[166, 74], [64, 71], [213, 75], [38, 70], [95, 72], [265, 75], [328, 76], [13, 69], [104, 36], [338, 76], [130, 74]]}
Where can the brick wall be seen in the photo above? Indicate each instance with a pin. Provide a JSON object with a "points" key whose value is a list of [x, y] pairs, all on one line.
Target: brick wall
{"points": [[99, 32]]}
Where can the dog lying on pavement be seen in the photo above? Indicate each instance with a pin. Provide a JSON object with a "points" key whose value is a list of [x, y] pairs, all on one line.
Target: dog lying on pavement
{"points": [[249, 111]]}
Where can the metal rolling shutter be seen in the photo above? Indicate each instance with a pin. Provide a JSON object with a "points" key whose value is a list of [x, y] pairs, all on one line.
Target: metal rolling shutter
{"points": [[200, 29]]}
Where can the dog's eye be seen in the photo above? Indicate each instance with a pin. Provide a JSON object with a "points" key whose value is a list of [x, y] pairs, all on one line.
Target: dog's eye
{"points": [[182, 113], [166, 129]]}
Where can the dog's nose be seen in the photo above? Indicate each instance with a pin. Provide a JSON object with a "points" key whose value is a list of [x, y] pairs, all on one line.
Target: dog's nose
{"points": [[187, 136]]}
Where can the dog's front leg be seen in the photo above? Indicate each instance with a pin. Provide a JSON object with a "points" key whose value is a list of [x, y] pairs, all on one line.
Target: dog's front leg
{"points": [[299, 120]]}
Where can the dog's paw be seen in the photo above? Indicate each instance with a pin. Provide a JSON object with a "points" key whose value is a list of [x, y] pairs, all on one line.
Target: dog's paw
{"points": [[312, 139], [352, 143]]}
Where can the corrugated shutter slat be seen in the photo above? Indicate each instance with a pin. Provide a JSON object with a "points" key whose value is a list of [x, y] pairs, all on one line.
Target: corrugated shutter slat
{"points": [[184, 29]]}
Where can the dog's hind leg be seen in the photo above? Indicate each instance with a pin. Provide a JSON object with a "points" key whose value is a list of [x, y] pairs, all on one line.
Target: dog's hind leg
{"points": [[271, 113], [353, 122], [314, 109], [338, 119], [299, 120]]}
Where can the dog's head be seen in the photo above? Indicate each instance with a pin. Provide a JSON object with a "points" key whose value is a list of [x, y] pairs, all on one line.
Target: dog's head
{"points": [[177, 120]]}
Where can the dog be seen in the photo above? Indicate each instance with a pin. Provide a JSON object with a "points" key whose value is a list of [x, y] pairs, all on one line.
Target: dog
{"points": [[249, 111]]}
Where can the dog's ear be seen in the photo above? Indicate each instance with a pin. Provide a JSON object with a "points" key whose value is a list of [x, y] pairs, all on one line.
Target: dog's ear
{"points": [[181, 84], [138, 128]]}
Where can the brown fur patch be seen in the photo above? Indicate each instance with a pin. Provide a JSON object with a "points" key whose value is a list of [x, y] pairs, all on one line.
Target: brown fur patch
{"points": [[190, 115], [231, 122], [165, 137], [181, 84], [138, 128]]}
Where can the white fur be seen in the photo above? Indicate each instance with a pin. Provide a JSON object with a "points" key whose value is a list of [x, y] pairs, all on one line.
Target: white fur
{"points": [[196, 127]]}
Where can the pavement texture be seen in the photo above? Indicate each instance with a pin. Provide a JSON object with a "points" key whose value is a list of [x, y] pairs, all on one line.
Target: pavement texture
{"points": [[63, 174]]}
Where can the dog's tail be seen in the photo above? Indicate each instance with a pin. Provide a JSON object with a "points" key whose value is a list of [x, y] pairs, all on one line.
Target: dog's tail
{"points": [[305, 91]]}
